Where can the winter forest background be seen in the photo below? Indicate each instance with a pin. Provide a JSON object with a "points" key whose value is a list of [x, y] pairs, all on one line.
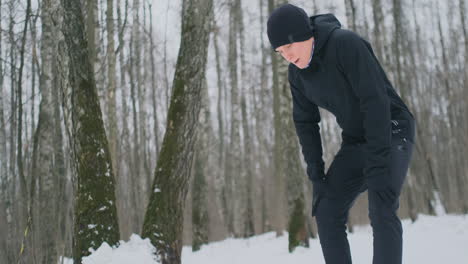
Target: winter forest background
{"points": [[84, 145]]}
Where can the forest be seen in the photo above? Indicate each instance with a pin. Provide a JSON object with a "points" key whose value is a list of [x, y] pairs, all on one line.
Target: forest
{"points": [[173, 120]]}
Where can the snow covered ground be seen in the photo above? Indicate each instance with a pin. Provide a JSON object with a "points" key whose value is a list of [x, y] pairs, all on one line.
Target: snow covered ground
{"points": [[430, 240]]}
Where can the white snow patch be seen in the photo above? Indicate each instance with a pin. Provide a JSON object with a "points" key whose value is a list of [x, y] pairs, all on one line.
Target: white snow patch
{"points": [[429, 240], [91, 226], [100, 153], [136, 250], [156, 190]]}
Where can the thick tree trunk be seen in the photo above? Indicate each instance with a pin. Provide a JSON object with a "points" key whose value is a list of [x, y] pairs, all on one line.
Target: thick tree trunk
{"points": [[95, 209], [164, 215]]}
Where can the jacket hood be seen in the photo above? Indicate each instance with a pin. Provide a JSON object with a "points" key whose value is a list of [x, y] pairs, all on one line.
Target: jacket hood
{"points": [[324, 25]]}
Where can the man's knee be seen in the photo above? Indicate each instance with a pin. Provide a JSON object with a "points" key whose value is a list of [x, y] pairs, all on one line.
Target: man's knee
{"points": [[383, 207], [329, 214]]}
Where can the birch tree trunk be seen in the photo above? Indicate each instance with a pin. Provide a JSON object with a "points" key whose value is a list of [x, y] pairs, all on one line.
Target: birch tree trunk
{"points": [[164, 215], [95, 209], [44, 154], [278, 190]]}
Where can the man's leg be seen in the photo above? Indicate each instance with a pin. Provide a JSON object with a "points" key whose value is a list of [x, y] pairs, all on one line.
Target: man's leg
{"points": [[345, 182], [384, 204]]}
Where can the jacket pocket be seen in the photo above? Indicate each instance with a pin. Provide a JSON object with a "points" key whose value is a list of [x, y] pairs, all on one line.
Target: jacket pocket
{"points": [[402, 129], [315, 201]]}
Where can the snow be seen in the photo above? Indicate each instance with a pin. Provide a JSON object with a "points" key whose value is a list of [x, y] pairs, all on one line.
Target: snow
{"points": [[429, 240], [136, 250]]}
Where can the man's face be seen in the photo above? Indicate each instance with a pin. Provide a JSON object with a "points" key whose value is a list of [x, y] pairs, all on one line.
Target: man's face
{"points": [[297, 53]]}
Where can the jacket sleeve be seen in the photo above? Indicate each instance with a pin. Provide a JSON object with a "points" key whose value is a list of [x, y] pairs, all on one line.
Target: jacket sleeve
{"points": [[362, 70], [306, 117]]}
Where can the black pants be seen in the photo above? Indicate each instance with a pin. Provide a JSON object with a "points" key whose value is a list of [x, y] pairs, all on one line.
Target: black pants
{"points": [[346, 181]]}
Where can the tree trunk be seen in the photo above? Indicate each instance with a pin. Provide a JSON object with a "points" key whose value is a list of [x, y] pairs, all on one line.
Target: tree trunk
{"points": [[127, 212], [95, 209], [60, 168], [200, 218], [164, 215], [153, 86], [278, 209], [111, 87], [44, 166], [233, 162], [351, 14], [24, 212], [134, 170], [221, 95], [4, 226], [92, 30]]}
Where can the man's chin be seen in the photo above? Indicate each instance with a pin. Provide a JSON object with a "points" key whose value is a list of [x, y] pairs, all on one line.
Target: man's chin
{"points": [[300, 66]]}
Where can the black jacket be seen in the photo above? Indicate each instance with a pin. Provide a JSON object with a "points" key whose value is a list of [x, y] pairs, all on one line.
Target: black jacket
{"points": [[346, 79]]}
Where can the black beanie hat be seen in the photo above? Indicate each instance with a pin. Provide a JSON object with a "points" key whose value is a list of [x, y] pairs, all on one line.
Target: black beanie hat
{"points": [[287, 24]]}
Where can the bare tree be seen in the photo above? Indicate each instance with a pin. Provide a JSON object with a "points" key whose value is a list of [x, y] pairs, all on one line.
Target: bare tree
{"points": [[164, 215], [45, 156], [278, 209], [111, 85], [200, 217], [351, 14], [233, 160], [5, 244], [95, 209]]}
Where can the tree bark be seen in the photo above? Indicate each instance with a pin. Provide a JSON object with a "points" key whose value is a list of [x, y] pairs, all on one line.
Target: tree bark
{"points": [[44, 155], [351, 14], [95, 210], [233, 162], [278, 190], [128, 210], [200, 217], [164, 215], [111, 87]]}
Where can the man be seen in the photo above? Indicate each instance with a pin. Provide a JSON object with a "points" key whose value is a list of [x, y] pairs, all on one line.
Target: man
{"points": [[336, 69]]}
